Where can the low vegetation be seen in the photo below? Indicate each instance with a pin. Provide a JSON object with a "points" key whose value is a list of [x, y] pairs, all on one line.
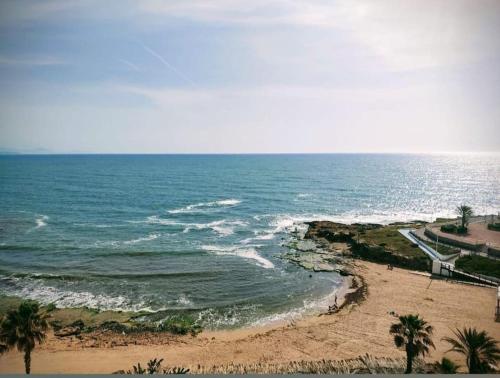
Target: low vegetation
{"points": [[153, 366], [388, 246], [494, 226], [361, 365], [453, 229], [446, 366], [479, 265], [391, 239]]}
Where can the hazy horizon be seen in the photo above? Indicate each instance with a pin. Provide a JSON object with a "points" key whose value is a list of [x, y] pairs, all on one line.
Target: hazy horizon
{"points": [[232, 77]]}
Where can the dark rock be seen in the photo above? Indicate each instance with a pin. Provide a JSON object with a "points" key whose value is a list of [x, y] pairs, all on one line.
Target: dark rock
{"points": [[67, 331]]}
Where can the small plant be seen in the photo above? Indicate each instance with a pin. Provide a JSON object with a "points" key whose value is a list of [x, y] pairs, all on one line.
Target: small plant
{"points": [[50, 307], [56, 325], [180, 325], [176, 370], [446, 366], [153, 367]]}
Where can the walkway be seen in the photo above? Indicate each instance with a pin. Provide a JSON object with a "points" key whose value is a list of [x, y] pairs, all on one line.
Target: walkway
{"points": [[432, 253]]}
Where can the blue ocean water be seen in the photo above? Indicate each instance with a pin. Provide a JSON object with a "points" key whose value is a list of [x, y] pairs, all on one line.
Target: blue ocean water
{"points": [[205, 232]]}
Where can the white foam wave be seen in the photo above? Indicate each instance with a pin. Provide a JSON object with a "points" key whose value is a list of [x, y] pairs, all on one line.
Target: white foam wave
{"points": [[222, 227], [244, 252], [41, 221], [155, 219], [204, 206], [302, 196], [143, 239], [66, 298], [309, 306], [184, 300], [290, 222]]}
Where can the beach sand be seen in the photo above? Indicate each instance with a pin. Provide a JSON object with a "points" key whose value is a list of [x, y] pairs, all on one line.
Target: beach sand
{"points": [[354, 331]]}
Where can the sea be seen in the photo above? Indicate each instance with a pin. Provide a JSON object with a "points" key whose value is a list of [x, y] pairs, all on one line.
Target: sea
{"points": [[206, 234]]}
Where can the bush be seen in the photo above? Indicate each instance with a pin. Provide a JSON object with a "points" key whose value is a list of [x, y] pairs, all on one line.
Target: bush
{"points": [[453, 229], [180, 325], [494, 226], [50, 307], [449, 228], [380, 255], [56, 325], [479, 265]]}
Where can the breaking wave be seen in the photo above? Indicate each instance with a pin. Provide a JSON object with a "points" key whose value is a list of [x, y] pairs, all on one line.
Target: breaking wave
{"points": [[244, 252], [204, 206], [143, 239], [41, 221]]}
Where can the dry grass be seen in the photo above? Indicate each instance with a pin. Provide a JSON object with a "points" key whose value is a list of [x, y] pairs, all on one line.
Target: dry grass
{"points": [[361, 365]]}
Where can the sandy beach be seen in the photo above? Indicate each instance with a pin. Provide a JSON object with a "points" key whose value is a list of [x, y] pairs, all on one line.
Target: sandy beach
{"points": [[354, 331]]}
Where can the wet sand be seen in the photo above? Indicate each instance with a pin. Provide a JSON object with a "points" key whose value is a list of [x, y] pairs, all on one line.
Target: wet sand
{"points": [[354, 331]]}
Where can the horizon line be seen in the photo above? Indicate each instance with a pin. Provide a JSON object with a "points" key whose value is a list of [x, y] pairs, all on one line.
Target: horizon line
{"points": [[9, 153]]}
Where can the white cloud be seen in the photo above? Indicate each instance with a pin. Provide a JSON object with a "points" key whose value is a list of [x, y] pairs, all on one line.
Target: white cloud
{"points": [[409, 34]]}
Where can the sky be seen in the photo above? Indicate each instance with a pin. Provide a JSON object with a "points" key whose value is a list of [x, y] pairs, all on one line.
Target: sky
{"points": [[239, 76]]}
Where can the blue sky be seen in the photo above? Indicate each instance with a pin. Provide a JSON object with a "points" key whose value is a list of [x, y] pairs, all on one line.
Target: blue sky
{"points": [[249, 76]]}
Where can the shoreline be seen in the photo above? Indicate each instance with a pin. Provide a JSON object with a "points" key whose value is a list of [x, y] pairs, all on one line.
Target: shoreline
{"points": [[355, 330], [72, 314], [369, 300]]}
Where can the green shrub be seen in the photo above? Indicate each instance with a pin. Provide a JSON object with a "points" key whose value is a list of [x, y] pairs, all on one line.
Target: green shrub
{"points": [[461, 230], [449, 228], [379, 254], [56, 324], [50, 307], [494, 226], [180, 325], [479, 265]]}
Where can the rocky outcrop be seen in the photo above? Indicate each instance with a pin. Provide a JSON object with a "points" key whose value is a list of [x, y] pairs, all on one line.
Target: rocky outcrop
{"points": [[68, 331]]}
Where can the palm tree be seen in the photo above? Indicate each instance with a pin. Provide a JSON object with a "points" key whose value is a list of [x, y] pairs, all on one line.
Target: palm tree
{"points": [[22, 328], [464, 212], [479, 349], [3, 347], [414, 335]]}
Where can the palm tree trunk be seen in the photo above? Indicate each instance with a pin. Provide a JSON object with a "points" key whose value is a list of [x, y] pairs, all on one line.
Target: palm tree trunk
{"points": [[409, 360], [27, 360]]}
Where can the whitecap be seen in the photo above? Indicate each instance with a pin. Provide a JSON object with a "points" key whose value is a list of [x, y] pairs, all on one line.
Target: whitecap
{"points": [[184, 300], [222, 227], [143, 239], [155, 219], [29, 289], [302, 196], [204, 206], [244, 252], [41, 221]]}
